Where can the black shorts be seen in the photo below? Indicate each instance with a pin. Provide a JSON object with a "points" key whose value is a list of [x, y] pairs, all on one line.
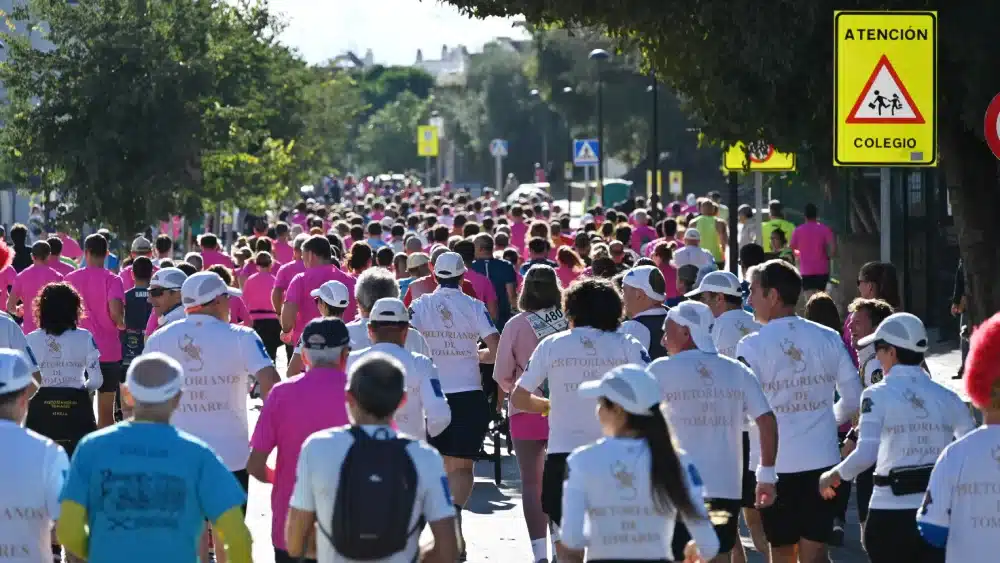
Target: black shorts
{"points": [[269, 331], [727, 532], [815, 283], [63, 415], [553, 475], [114, 375], [892, 535], [243, 476], [749, 499], [799, 512], [863, 486], [470, 419], [282, 556]]}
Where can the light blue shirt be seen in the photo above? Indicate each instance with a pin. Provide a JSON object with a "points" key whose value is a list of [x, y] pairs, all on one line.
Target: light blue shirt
{"points": [[148, 489]]}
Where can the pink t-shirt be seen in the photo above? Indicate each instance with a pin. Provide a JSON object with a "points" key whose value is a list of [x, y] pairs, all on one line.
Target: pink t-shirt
{"points": [[517, 342], [298, 219], [811, 242], [482, 285], [28, 284], [303, 284], [71, 248], [7, 276], [286, 272], [566, 276], [212, 257], [518, 230], [98, 286], [59, 266], [640, 236], [239, 314], [248, 269], [128, 279], [283, 252], [257, 295], [295, 409], [670, 277]]}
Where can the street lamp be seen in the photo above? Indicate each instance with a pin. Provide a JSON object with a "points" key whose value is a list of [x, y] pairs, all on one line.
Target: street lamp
{"points": [[654, 148], [534, 93], [599, 56]]}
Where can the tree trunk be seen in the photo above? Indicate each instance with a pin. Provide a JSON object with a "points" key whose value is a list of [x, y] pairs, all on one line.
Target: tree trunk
{"points": [[970, 170]]}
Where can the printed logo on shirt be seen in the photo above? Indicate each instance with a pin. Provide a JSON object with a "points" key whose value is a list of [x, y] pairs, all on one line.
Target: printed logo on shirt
{"points": [[436, 386], [996, 455], [876, 376], [446, 316], [193, 352], [917, 403], [694, 475], [866, 405], [705, 374], [588, 345], [789, 349], [54, 348], [625, 480], [744, 329], [447, 489], [645, 355]]}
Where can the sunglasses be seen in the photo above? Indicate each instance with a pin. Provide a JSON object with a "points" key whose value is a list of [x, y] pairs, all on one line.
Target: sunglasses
{"points": [[158, 291]]}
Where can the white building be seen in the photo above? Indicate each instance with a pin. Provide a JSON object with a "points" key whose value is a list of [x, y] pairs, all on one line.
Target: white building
{"points": [[450, 70]]}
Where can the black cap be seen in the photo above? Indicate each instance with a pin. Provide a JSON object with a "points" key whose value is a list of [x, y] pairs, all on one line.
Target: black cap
{"points": [[322, 334]]}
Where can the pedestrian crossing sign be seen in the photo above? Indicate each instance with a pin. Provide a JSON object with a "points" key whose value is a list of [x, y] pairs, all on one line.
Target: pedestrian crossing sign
{"points": [[885, 85], [586, 152], [427, 140]]}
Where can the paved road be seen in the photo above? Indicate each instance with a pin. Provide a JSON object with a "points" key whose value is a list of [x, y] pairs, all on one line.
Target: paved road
{"points": [[493, 521]]}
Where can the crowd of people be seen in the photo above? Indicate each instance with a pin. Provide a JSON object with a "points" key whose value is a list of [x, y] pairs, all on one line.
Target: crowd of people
{"points": [[652, 398]]}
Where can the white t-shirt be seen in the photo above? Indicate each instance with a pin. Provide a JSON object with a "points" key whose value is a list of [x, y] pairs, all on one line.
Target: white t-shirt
{"points": [[453, 323], [33, 472], [729, 328], [693, 255], [358, 329], [800, 364], [639, 330], [707, 398], [608, 504], [218, 359], [318, 476], [871, 368], [907, 419], [566, 360], [963, 495], [69, 360], [175, 314], [426, 409], [11, 335]]}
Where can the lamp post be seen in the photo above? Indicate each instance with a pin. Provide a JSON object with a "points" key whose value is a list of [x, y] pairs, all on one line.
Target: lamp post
{"points": [[437, 122], [654, 140], [545, 131], [599, 56]]}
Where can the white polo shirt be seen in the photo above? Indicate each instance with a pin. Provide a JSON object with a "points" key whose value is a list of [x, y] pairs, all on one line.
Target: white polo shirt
{"points": [[218, 359], [426, 409], [963, 495], [692, 255], [708, 396], [453, 323], [11, 335], [175, 314], [66, 360], [33, 473], [358, 329], [800, 364], [729, 328], [566, 360], [318, 477]]}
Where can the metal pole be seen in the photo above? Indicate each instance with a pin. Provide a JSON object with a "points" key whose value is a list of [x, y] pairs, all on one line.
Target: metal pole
{"points": [[586, 187], [545, 151], [885, 214], [655, 140], [758, 198], [734, 223], [600, 129], [498, 166], [427, 171]]}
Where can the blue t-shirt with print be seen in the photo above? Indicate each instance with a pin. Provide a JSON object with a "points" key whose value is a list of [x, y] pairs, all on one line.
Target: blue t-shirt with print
{"points": [[148, 489], [500, 273]]}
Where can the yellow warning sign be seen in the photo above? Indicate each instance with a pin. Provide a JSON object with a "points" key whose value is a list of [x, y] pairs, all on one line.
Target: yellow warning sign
{"points": [[763, 158], [427, 140], [885, 85]]}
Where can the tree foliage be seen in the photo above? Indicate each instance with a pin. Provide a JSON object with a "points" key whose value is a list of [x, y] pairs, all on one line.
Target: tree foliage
{"points": [[388, 140]]}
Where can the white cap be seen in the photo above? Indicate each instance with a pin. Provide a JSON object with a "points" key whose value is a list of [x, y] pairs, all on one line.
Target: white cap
{"points": [[389, 310], [387, 222], [449, 265], [639, 278], [154, 395], [902, 330], [692, 234], [722, 282], [698, 319], [141, 244], [416, 260], [586, 218], [168, 278], [203, 287], [629, 386], [15, 371], [333, 293]]}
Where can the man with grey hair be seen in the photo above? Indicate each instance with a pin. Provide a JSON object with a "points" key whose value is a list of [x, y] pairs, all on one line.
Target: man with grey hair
{"points": [[413, 245], [147, 459], [374, 284]]}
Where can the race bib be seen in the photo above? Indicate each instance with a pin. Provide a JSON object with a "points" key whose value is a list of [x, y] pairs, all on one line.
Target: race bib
{"points": [[547, 322]]}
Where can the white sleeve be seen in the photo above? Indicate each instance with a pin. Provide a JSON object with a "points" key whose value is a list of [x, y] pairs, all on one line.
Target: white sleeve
{"points": [[95, 378], [964, 421], [869, 436], [435, 404], [16, 337], [536, 371], [935, 510], [416, 318], [755, 402], [484, 324], [55, 478], [302, 495], [638, 354], [700, 528], [636, 330], [574, 506], [438, 503], [255, 355], [416, 343], [848, 384], [747, 355]]}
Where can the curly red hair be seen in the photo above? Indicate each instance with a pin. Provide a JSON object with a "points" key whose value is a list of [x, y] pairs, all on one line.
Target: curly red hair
{"points": [[982, 366], [6, 255]]}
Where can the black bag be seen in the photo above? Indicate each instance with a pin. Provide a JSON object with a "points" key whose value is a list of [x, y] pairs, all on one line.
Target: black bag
{"points": [[375, 498], [910, 480]]}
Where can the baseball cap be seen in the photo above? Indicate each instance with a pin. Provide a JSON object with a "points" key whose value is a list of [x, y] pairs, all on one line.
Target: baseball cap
{"points": [[692, 234], [203, 287], [722, 282], [639, 278], [168, 278], [389, 310], [629, 386], [902, 330], [172, 383], [15, 371], [333, 293], [698, 319], [449, 265], [416, 260], [387, 222], [141, 244], [323, 333]]}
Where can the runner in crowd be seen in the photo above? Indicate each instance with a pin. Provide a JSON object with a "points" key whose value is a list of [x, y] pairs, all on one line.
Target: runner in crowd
{"points": [[138, 310], [373, 285], [29, 283], [165, 296], [299, 308], [140, 247], [332, 299], [257, 296], [57, 262], [643, 293]]}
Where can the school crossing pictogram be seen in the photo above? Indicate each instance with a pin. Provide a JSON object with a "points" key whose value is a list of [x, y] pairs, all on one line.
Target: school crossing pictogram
{"points": [[884, 99]]}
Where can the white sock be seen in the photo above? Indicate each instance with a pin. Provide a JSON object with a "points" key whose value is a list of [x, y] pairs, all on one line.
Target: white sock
{"points": [[539, 549]]}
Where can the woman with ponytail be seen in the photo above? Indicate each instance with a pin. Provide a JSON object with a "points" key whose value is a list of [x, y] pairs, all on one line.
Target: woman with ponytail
{"points": [[631, 486]]}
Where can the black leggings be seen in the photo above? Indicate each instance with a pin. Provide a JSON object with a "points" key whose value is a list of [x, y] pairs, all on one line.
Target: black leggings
{"points": [[269, 331]]}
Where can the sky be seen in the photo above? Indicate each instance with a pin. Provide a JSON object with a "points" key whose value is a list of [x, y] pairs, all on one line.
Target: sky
{"points": [[392, 29]]}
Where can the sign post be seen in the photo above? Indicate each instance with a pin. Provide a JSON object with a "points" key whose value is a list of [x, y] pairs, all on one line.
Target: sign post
{"points": [[498, 148], [587, 153], [676, 182], [762, 158], [427, 146]]}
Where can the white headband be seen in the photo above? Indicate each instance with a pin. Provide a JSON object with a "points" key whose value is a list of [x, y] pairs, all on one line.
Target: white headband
{"points": [[152, 395]]}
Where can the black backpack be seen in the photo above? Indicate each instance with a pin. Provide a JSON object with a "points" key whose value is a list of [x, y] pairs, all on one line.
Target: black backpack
{"points": [[375, 498]]}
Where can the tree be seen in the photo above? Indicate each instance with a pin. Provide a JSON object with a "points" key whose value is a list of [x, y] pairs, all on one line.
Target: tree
{"points": [[388, 140], [769, 75]]}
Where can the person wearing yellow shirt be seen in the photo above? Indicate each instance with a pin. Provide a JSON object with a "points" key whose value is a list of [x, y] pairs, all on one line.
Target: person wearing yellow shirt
{"points": [[712, 230], [776, 221], [142, 490]]}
